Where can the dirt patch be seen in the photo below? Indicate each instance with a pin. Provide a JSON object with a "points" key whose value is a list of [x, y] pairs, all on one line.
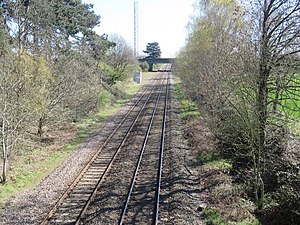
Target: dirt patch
{"points": [[200, 140]]}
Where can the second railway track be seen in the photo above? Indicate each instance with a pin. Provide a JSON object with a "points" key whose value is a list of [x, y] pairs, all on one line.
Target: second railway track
{"points": [[100, 193], [142, 202]]}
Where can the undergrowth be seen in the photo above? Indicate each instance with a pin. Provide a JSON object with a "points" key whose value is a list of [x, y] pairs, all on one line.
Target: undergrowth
{"points": [[225, 203], [28, 169]]}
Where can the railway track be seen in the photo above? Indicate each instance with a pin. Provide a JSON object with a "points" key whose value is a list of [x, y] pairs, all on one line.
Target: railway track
{"points": [[81, 200], [143, 197]]}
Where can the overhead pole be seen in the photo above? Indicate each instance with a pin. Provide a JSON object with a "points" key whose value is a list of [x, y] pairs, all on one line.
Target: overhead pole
{"points": [[137, 76], [136, 28]]}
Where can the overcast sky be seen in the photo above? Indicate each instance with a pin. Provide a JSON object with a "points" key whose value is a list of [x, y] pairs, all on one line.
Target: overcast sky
{"points": [[162, 21]]}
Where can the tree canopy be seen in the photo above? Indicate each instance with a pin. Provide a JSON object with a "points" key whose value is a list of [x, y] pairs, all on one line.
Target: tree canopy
{"points": [[53, 68], [153, 50]]}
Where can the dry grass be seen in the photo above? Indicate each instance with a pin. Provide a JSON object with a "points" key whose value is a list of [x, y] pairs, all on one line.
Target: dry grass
{"points": [[200, 138]]}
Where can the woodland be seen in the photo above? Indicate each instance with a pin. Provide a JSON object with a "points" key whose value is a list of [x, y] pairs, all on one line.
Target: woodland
{"points": [[54, 69], [241, 66]]}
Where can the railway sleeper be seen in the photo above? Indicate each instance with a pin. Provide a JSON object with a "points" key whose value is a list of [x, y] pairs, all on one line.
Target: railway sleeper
{"points": [[62, 221], [82, 191], [70, 207], [101, 162], [74, 201], [89, 179], [76, 195], [75, 208], [92, 175], [59, 221], [83, 184], [102, 158], [95, 169]]}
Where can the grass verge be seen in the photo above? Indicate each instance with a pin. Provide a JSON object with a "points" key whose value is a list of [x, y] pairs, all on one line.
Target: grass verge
{"points": [[188, 109], [27, 170], [190, 113], [214, 159], [213, 217]]}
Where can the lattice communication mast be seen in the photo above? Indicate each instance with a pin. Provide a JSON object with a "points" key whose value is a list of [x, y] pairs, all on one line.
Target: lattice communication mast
{"points": [[136, 28]]}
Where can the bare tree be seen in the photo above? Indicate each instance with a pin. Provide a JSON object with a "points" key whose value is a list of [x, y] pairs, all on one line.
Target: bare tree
{"points": [[277, 34], [120, 58], [241, 65], [9, 108]]}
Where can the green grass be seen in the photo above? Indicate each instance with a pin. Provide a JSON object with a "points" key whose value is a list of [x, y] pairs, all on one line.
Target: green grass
{"points": [[213, 217], [188, 109], [30, 168], [290, 104], [215, 160]]}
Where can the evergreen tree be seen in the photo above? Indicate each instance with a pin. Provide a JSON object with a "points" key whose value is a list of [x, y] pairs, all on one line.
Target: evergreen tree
{"points": [[153, 50]]}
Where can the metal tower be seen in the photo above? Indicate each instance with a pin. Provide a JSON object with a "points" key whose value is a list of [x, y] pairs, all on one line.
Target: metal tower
{"points": [[136, 28]]}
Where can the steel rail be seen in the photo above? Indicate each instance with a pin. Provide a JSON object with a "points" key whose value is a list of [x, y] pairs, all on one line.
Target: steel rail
{"points": [[110, 163], [140, 158], [162, 144], [73, 184]]}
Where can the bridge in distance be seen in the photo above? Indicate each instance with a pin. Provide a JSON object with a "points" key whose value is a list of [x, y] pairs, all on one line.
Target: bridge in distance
{"points": [[152, 61]]}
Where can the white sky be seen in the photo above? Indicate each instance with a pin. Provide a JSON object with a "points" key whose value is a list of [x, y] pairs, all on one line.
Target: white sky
{"points": [[162, 21]]}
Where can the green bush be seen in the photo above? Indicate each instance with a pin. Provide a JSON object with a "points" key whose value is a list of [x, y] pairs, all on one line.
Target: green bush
{"points": [[144, 66], [104, 99]]}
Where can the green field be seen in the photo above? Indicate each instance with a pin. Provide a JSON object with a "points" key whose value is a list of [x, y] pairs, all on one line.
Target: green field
{"points": [[289, 97]]}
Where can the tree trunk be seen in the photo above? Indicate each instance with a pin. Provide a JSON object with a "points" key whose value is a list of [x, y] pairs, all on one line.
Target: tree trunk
{"points": [[261, 106], [151, 67], [26, 27], [256, 183], [4, 153], [261, 103], [40, 126]]}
